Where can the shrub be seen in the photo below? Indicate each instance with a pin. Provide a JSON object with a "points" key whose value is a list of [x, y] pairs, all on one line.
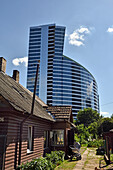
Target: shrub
{"points": [[55, 158], [52, 160], [36, 164], [96, 143], [47, 163], [77, 138], [42, 164], [61, 155]]}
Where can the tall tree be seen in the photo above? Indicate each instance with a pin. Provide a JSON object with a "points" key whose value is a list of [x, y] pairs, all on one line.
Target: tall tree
{"points": [[87, 116], [105, 125]]}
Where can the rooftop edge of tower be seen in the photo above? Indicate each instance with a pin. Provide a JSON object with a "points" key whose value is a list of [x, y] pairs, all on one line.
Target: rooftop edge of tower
{"points": [[47, 25]]}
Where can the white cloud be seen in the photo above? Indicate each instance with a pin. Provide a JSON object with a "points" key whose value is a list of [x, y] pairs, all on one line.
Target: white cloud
{"points": [[104, 113], [76, 43], [18, 61], [77, 38], [83, 30], [110, 29]]}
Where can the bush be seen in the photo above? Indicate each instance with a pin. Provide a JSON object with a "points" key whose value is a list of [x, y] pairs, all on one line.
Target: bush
{"points": [[61, 155], [47, 163], [55, 158], [52, 160], [76, 138], [96, 143], [40, 164]]}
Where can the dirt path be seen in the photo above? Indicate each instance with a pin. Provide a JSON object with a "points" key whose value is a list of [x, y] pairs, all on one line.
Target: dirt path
{"points": [[89, 160]]}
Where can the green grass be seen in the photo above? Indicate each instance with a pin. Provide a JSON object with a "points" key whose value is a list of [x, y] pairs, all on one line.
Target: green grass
{"points": [[67, 164]]}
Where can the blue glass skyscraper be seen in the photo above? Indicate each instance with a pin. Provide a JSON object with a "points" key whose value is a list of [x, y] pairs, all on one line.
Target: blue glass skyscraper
{"points": [[61, 80]]}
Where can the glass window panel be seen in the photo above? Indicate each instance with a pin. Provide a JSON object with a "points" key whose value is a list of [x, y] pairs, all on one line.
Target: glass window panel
{"points": [[30, 139], [57, 137], [45, 139]]}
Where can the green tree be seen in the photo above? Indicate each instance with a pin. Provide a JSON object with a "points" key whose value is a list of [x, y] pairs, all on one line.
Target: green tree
{"points": [[83, 132], [112, 116], [106, 124], [93, 129], [87, 116]]}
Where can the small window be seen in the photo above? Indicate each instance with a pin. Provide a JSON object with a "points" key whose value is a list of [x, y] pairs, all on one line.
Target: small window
{"points": [[57, 137], [45, 139], [30, 139]]}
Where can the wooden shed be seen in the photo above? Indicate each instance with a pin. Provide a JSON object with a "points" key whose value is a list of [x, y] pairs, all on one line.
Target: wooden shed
{"points": [[108, 136]]}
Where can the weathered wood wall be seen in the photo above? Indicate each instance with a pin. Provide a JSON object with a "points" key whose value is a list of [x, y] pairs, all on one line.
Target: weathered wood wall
{"points": [[11, 128]]}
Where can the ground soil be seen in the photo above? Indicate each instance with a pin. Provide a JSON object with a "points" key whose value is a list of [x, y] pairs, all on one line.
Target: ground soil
{"points": [[90, 161]]}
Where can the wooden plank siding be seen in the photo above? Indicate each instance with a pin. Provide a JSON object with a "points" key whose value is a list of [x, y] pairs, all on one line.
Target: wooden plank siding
{"points": [[11, 128], [3, 133], [15, 107]]}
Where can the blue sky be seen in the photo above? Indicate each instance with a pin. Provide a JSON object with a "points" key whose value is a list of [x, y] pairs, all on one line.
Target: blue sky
{"points": [[89, 36]]}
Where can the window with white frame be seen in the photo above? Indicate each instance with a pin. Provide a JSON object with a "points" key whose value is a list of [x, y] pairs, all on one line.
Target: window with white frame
{"points": [[45, 139], [57, 137], [30, 139]]}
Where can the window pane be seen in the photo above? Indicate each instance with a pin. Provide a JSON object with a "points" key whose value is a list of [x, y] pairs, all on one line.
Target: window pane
{"points": [[57, 137], [30, 139], [45, 139]]}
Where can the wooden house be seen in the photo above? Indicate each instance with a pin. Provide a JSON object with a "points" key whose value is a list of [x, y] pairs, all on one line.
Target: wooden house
{"points": [[23, 136], [62, 134]]}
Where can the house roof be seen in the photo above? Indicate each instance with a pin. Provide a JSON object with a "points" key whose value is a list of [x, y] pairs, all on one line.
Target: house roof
{"points": [[61, 112], [20, 98]]}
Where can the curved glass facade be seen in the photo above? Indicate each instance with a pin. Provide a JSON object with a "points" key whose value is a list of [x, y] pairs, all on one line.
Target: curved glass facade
{"points": [[72, 85], [62, 81]]}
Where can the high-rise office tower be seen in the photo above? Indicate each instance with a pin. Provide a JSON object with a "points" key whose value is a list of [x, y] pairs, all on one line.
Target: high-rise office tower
{"points": [[61, 80]]}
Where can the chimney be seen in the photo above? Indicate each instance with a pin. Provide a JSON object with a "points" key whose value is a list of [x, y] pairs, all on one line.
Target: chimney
{"points": [[16, 75], [2, 64]]}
